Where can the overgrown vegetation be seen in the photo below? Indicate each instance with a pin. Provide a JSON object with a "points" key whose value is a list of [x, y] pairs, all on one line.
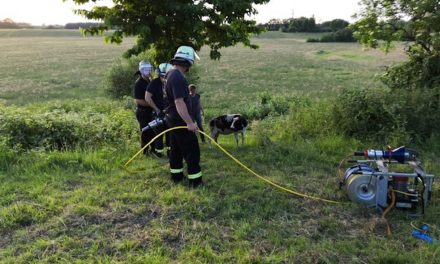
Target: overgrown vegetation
{"points": [[370, 114], [342, 35], [65, 126], [120, 77], [77, 204], [267, 105], [415, 83]]}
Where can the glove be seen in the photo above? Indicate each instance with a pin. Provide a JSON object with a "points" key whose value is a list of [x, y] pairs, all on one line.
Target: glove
{"points": [[160, 114], [155, 114]]}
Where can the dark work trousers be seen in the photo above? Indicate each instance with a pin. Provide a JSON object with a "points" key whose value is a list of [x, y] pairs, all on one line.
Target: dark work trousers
{"points": [[158, 143], [184, 146], [198, 119], [144, 116]]}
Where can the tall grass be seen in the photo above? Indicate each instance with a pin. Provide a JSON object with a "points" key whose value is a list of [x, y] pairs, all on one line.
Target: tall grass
{"points": [[79, 205]]}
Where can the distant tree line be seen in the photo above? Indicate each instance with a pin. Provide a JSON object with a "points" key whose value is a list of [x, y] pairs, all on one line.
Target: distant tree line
{"points": [[304, 24], [338, 30], [9, 23], [81, 25]]}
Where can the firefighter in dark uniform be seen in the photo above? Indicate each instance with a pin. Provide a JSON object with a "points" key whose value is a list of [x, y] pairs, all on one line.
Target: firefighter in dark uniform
{"points": [[155, 97], [143, 110], [196, 109], [183, 142]]}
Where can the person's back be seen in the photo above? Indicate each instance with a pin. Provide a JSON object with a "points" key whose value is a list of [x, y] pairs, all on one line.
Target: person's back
{"points": [[156, 98], [196, 109], [183, 142], [176, 88], [143, 110]]}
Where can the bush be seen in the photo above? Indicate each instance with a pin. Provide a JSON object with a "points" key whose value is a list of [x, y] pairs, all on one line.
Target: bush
{"points": [[119, 79], [416, 84], [306, 120], [268, 105], [370, 114], [55, 128], [342, 35], [421, 109], [312, 40]]}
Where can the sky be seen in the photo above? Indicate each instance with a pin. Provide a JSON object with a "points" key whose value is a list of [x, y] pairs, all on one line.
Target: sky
{"points": [[51, 12]]}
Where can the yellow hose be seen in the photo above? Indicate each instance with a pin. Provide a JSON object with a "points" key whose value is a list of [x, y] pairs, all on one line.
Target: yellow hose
{"points": [[388, 209], [234, 159]]}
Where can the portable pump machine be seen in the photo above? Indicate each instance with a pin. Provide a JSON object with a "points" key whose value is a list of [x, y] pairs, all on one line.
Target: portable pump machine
{"points": [[370, 181]]}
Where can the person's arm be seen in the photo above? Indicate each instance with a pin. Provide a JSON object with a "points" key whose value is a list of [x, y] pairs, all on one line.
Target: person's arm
{"points": [[183, 112], [201, 108], [150, 102], [140, 102]]}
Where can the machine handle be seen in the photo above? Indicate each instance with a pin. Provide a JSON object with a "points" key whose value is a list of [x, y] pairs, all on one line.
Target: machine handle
{"points": [[359, 153]]}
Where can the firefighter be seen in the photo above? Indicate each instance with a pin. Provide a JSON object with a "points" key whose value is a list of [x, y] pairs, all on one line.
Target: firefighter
{"points": [[155, 96], [196, 109], [184, 144], [143, 110]]}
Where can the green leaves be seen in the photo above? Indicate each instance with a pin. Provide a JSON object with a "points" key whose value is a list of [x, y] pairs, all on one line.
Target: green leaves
{"points": [[61, 127], [382, 20], [167, 24], [415, 83]]}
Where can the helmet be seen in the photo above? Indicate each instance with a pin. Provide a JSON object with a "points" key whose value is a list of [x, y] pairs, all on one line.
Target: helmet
{"points": [[145, 68], [185, 56], [163, 69]]}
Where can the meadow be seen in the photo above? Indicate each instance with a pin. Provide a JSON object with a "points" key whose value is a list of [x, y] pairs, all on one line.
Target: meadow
{"points": [[79, 205]]}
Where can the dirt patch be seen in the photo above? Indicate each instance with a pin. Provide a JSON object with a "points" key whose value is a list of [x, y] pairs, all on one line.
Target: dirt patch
{"points": [[5, 239]]}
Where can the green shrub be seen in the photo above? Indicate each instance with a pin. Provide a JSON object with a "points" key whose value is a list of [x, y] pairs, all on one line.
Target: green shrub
{"points": [[370, 114], [306, 120], [311, 40], [119, 79], [342, 35], [55, 128], [268, 105], [416, 84]]}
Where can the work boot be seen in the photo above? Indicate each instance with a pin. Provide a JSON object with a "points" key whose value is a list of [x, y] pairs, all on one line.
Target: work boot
{"points": [[156, 154], [177, 177], [194, 183]]}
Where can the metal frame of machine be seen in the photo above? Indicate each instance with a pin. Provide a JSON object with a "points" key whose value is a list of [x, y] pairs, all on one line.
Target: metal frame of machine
{"points": [[370, 180]]}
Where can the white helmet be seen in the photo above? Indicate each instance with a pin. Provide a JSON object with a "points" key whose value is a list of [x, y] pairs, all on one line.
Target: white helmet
{"points": [[185, 55], [145, 68], [163, 69]]}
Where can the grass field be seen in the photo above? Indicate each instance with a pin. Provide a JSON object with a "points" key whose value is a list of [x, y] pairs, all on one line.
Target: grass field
{"points": [[80, 206], [41, 65]]}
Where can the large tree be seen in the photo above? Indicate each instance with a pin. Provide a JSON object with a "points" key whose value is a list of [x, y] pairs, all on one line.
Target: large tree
{"points": [[162, 25]]}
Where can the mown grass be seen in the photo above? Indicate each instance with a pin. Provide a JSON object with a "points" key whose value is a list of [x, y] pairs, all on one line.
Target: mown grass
{"points": [[41, 65], [80, 206], [313, 70]]}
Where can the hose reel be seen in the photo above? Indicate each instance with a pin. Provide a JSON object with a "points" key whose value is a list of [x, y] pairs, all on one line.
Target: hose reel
{"points": [[368, 181]]}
